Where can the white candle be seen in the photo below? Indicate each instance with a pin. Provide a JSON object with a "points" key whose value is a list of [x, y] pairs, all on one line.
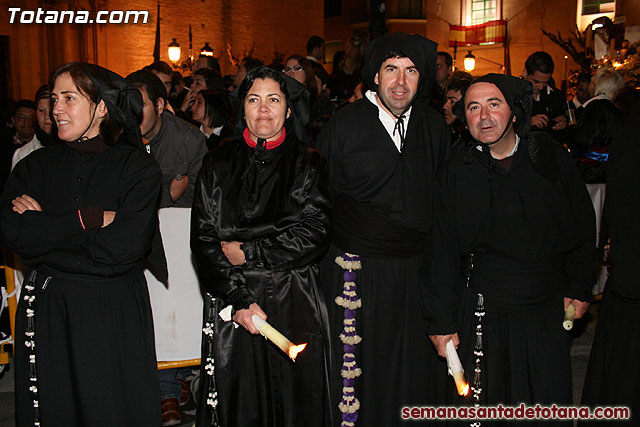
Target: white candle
{"points": [[272, 334], [569, 317], [456, 370]]}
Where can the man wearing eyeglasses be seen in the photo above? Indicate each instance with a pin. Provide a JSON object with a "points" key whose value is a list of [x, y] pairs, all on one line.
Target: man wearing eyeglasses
{"points": [[23, 121]]}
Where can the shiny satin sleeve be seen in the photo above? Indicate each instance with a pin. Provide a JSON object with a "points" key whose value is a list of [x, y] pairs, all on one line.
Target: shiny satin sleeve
{"points": [[306, 239], [217, 275]]}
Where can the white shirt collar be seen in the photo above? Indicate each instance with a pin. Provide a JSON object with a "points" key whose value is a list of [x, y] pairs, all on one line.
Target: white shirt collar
{"points": [[549, 90], [515, 148], [594, 98], [387, 120], [215, 131]]}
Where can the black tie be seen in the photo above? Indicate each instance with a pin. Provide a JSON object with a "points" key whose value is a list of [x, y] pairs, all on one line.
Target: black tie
{"points": [[400, 128]]}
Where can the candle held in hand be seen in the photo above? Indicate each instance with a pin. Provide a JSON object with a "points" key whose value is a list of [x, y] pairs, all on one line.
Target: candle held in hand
{"points": [[569, 317], [272, 334], [456, 370]]}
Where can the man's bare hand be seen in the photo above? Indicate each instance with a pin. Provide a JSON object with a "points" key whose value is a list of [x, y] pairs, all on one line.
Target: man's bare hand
{"points": [[440, 342], [25, 203], [539, 120], [243, 318], [178, 187], [561, 122]]}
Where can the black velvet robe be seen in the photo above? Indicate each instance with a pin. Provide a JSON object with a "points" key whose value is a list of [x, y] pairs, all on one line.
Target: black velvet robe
{"points": [[598, 127], [387, 226], [94, 344], [613, 374], [531, 231], [276, 203]]}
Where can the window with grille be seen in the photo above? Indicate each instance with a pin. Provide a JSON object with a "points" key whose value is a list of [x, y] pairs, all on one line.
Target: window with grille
{"points": [[590, 7], [483, 11]]}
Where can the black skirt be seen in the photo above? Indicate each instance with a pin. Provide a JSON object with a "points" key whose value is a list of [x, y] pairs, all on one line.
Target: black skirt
{"points": [[95, 362], [525, 355]]}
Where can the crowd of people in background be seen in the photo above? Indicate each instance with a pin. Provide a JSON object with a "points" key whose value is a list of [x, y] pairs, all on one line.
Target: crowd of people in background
{"points": [[401, 139]]}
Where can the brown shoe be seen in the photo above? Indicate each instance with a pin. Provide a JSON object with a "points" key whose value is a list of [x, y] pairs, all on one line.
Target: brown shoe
{"points": [[170, 412], [185, 393]]}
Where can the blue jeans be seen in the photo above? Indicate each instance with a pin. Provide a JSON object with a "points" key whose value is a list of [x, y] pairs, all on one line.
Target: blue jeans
{"points": [[169, 385]]}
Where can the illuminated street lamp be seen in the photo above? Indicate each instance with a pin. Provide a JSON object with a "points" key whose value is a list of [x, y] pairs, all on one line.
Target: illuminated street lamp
{"points": [[174, 51], [469, 62], [206, 50]]}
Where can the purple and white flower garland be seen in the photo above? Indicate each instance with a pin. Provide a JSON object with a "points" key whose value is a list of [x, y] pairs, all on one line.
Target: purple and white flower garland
{"points": [[350, 301]]}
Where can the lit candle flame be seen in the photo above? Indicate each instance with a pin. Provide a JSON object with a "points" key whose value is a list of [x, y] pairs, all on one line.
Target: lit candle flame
{"points": [[455, 369], [273, 335], [461, 385], [295, 349], [465, 391]]}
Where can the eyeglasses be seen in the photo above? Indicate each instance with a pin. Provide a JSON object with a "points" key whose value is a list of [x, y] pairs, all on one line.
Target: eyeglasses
{"points": [[23, 117], [291, 69]]}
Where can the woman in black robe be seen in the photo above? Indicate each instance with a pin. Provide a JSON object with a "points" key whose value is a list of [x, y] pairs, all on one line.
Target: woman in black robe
{"points": [[81, 215], [259, 223]]}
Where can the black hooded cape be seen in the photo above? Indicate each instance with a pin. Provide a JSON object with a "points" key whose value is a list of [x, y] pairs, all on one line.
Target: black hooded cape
{"points": [[85, 304], [524, 238], [383, 212]]}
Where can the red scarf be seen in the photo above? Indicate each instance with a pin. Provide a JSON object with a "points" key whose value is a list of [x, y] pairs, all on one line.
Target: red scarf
{"points": [[270, 144]]}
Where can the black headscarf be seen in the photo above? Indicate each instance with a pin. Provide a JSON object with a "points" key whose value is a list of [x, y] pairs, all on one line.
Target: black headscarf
{"points": [[518, 94], [123, 101], [421, 51]]}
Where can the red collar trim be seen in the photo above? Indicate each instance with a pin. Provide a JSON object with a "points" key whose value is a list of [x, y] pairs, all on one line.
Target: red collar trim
{"points": [[270, 144]]}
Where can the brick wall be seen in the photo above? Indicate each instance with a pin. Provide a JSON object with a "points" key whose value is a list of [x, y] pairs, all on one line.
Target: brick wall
{"points": [[35, 49]]}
